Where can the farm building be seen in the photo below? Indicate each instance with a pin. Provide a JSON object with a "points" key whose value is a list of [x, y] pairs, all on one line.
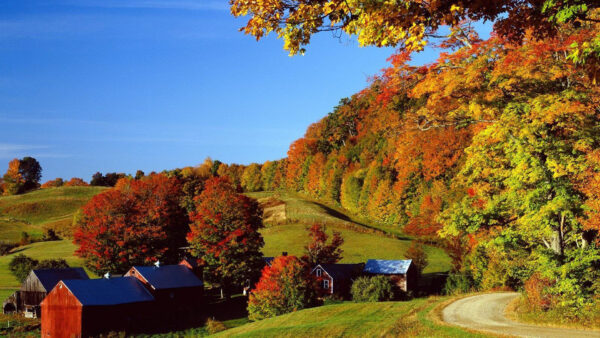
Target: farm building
{"points": [[401, 272], [81, 308], [35, 287], [193, 265], [337, 278], [173, 286], [268, 260]]}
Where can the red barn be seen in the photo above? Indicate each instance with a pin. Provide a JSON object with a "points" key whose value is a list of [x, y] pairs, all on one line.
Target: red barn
{"points": [[337, 278], [81, 308]]}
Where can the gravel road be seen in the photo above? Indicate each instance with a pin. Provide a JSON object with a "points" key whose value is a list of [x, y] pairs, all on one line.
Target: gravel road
{"points": [[486, 313]]}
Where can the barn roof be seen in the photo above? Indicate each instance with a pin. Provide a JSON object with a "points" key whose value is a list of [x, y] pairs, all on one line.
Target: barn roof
{"points": [[111, 291], [168, 276], [387, 267], [341, 271], [50, 277], [191, 262]]}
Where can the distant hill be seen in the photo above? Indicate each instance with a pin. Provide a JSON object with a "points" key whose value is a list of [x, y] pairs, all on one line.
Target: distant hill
{"points": [[31, 212]]}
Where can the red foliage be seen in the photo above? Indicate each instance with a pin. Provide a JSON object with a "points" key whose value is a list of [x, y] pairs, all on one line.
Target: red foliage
{"points": [[425, 224], [538, 295], [57, 182], [318, 251], [76, 182], [224, 233], [135, 224], [285, 286]]}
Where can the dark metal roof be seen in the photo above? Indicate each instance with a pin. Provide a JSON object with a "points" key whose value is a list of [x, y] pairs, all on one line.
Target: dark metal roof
{"points": [[269, 260], [168, 276], [112, 291], [341, 271], [50, 277], [387, 267]]}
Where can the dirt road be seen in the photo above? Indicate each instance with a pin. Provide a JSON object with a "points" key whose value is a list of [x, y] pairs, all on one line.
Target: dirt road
{"points": [[486, 313]]}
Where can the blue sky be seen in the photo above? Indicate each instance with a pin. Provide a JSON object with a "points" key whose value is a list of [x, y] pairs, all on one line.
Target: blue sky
{"points": [[121, 85]]}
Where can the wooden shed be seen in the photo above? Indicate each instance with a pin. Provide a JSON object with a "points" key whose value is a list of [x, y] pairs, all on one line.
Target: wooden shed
{"points": [[173, 286], [82, 308], [337, 278], [401, 272], [35, 287]]}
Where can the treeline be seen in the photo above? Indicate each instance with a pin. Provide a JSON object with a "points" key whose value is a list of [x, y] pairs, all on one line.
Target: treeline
{"points": [[492, 150]]}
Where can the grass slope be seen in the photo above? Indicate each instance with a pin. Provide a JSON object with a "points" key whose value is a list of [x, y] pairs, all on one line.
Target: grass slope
{"points": [[387, 319], [358, 245], [30, 212]]}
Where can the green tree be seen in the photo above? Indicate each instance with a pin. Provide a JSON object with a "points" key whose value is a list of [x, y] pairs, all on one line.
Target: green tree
{"points": [[251, 178], [20, 266], [372, 289], [31, 171]]}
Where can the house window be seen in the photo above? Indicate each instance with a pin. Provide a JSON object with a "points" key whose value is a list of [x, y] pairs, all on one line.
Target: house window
{"points": [[325, 284], [319, 272]]}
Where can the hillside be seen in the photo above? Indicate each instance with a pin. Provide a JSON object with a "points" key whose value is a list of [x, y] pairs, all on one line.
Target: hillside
{"points": [[362, 241], [33, 211], [392, 319]]}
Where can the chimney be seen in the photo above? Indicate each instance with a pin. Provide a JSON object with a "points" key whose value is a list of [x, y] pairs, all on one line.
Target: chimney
{"points": [[284, 253]]}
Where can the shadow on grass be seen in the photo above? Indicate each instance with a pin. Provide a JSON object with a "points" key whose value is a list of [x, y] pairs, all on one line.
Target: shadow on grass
{"points": [[334, 213]]}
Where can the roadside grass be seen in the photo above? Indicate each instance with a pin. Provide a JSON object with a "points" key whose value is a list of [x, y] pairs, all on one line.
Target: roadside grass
{"points": [[32, 211], [387, 319], [520, 310], [360, 241]]}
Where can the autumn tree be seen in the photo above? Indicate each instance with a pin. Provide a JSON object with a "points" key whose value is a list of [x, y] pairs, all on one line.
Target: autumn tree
{"points": [[57, 182], [251, 178], [224, 234], [407, 24], [13, 179], [76, 182], [318, 250], [416, 253], [137, 223], [285, 286]]}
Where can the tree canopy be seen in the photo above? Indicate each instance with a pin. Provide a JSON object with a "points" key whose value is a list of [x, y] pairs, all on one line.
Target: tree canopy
{"points": [[408, 24]]}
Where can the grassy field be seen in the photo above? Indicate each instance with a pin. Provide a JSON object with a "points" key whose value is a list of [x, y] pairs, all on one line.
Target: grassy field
{"points": [[361, 242], [386, 319], [32, 211]]}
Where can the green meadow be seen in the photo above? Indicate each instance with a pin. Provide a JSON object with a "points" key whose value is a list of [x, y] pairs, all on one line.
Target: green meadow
{"points": [[362, 240]]}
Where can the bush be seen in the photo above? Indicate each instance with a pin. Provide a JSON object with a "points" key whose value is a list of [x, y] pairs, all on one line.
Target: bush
{"points": [[49, 235], [458, 283], [213, 326], [58, 263], [372, 289], [536, 290], [21, 265], [6, 247], [25, 238]]}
